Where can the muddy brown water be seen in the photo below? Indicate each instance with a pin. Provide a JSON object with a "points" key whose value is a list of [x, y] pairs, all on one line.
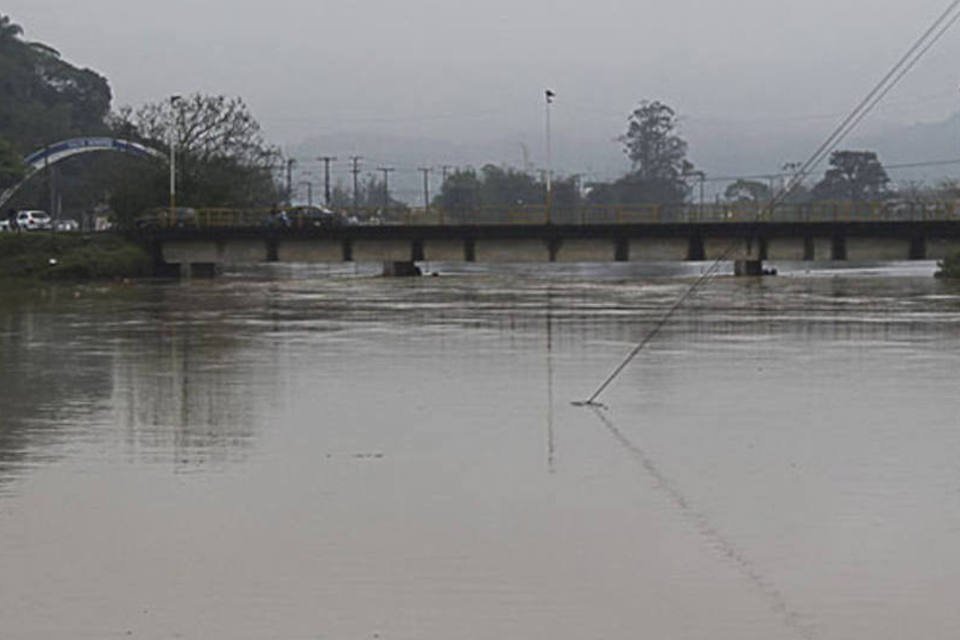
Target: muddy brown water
{"points": [[301, 453]]}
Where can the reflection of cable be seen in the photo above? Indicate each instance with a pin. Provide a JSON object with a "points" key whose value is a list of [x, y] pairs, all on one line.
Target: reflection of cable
{"points": [[778, 603], [551, 427]]}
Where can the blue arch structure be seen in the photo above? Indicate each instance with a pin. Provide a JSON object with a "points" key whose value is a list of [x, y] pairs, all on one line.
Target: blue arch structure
{"points": [[59, 151]]}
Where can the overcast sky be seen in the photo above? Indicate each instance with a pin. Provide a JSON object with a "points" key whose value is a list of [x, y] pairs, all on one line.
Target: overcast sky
{"points": [[470, 72]]}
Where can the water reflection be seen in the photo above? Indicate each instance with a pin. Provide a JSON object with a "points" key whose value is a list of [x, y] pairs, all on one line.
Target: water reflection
{"points": [[551, 427], [792, 619]]}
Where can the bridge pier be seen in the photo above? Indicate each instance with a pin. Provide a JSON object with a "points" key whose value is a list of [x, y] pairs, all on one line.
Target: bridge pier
{"points": [[191, 270], [751, 268], [401, 269], [748, 268]]}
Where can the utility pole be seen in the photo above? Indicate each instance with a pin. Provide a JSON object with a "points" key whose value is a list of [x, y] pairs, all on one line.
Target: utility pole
{"points": [[51, 184], [290, 163], [356, 183], [386, 186], [326, 177], [426, 187]]}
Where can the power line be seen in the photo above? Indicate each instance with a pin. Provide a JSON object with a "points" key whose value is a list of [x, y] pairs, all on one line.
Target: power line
{"points": [[903, 66], [890, 80]]}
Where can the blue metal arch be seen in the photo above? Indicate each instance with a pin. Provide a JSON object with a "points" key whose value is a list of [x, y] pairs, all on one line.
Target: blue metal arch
{"points": [[59, 151]]}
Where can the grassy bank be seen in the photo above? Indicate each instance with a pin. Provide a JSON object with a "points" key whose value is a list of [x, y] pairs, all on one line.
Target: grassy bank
{"points": [[70, 257]]}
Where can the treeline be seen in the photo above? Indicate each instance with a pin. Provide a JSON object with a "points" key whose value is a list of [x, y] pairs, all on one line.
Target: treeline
{"points": [[662, 174]]}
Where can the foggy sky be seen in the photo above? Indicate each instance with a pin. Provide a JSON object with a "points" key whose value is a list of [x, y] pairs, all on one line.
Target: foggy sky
{"points": [[757, 82]]}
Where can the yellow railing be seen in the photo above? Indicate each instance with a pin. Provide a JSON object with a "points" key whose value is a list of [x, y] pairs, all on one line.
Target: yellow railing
{"points": [[841, 211]]}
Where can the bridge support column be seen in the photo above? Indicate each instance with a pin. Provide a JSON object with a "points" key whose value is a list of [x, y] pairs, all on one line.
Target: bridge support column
{"points": [[402, 269], [190, 270], [748, 268], [751, 268]]}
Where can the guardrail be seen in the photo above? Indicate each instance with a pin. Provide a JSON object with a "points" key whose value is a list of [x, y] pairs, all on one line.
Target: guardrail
{"points": [[890, 211]]}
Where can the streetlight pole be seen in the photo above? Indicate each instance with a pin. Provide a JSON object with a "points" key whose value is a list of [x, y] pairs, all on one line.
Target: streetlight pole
{"points": [[174, 130], [386, 187], [290, 164], [549, 95], [356, 184]]}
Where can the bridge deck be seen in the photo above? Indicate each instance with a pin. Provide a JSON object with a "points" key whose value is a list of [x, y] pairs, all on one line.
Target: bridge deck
{"points": [[797, 240]]}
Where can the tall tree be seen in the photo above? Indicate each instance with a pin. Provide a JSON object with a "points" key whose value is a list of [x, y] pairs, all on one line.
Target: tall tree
{"points": [[222, 159], [853, 175], [460, 195], [658, 156], [747, 191]]}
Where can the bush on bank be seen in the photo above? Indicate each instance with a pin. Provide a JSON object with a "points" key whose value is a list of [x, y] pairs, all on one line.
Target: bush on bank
{"points": [[62, 256], [950, 267]]}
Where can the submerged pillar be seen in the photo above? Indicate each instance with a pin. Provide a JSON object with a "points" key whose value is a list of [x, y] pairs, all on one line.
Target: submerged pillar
{"points": [[190, 270], [748, 268], [402, 269]]}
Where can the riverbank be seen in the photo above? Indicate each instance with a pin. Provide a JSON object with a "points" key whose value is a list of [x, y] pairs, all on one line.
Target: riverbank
{"points": [[71, 257]]}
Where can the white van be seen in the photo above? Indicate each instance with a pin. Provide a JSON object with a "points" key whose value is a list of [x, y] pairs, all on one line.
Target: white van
{"points": [[34, 220]]}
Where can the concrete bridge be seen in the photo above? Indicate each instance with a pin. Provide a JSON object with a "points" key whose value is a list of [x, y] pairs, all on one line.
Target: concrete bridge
{"points": [[201, 250]]}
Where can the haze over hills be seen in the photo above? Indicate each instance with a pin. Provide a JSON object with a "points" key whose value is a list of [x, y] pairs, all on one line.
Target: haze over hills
{"points": [[721, 149]]}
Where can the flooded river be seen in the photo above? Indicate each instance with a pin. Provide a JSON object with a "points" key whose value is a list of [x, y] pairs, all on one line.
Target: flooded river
{"points": [[324, 455]]}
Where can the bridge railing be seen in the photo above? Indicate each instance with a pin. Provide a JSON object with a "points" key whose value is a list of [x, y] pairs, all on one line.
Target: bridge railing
{"points": [[887, 211]]}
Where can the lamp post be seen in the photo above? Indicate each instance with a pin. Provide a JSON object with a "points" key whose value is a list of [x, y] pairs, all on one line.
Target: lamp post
{"points": [[549, 95], [174, 100]]}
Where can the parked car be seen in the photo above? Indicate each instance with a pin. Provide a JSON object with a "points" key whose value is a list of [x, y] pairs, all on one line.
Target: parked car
{"points": [[67, 224], [314, 217], [5, 225], [33, 220]]}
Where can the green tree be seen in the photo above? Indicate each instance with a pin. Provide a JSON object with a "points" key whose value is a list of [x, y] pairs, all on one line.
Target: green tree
{"points": [[460, 195], [222, 159], [12, 169], [495, 191], [507, 187], [853, 175], [747, 191], [658, 156]]}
